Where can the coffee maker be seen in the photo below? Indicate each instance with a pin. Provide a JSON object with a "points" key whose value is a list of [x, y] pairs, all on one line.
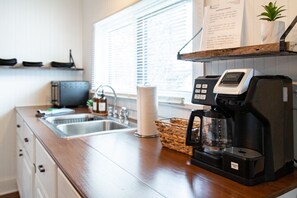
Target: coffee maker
{"points": [[246, 127]]}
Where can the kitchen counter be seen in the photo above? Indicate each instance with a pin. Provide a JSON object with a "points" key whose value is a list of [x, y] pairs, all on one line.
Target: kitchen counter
{"points": [[123, 165]]}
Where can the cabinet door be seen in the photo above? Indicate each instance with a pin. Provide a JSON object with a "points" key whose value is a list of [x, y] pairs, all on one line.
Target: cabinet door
{"points": [[65, 188], [46, 173], [39, 191], [19, 159], [27, 178]]}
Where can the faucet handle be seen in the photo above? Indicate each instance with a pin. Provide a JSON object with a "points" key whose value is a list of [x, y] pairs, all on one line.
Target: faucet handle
{"points": [[115, 113], [110, 111], [124, 112]]}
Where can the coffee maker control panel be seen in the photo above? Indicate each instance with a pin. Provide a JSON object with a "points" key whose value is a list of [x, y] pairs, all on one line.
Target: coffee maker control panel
{"points": [[235, 81], [203, 90]]}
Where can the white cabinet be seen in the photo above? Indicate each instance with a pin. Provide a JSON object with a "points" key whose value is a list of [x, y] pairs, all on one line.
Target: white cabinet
{"points": [[25, 159], [40, 192], [37, 174], [46, 174], [19, 151], [19, 168], [28, 170], [65, 188], [27, 177]]}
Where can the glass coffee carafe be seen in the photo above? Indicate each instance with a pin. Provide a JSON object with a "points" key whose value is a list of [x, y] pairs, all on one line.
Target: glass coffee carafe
{"points": [[215, 131]]}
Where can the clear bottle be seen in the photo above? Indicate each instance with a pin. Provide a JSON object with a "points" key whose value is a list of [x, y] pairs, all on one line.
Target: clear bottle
{"points": [[102, 104]]}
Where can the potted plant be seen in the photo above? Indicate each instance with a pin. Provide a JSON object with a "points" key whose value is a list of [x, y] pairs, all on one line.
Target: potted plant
{"points": [[271, 29], [90, 105]]}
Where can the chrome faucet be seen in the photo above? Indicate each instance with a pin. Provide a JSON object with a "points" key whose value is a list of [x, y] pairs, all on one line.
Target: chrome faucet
{"points": [[114, 112], [124, 115]]}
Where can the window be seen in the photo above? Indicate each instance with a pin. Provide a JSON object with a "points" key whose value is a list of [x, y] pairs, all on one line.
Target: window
{"points": [[139, 45]]}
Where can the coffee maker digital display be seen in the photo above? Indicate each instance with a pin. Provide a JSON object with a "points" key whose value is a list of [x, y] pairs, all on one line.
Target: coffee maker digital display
{"points": [[246, 127], [232, 78]]}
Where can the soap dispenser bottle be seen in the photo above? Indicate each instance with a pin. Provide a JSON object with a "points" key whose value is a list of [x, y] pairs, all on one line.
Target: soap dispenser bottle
{"points": [[95, 103], [102, 104]]}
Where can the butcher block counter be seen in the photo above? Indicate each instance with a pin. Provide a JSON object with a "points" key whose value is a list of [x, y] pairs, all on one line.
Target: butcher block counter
{"points": [[123, 165]]}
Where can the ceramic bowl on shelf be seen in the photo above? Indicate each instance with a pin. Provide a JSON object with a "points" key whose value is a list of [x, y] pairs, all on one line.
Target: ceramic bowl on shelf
{"points": [[61, 64], [32, 64], [8, 62]]}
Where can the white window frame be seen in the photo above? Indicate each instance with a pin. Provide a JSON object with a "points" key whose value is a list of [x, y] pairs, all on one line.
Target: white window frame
{"points": [[125, 17]]}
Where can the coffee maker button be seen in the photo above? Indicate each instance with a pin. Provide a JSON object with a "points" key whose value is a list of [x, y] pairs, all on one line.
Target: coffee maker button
{"points": [[198, 86], [204, 91], [197, 90], [204, 86]]}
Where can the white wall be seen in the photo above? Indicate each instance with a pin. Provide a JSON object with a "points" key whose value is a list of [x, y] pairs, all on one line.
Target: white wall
{"points": [[33, 30]]}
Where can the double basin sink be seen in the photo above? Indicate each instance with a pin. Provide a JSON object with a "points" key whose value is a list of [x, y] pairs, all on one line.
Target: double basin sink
{"points": [[79, 125]]}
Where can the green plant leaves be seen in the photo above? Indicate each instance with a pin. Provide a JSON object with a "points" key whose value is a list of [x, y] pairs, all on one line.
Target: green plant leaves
{"points": [[272, 12]]}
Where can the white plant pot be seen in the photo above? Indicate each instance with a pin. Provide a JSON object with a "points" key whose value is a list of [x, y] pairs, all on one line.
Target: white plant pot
{"points": [[271, 31]]}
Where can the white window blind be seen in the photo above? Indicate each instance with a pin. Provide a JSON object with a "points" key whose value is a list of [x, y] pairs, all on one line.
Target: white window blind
{"points": [[121, 59], [141, 46]]}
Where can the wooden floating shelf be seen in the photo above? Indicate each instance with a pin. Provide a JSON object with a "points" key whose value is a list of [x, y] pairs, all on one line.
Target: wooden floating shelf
{"points": [[41, 68], [253, 51]]}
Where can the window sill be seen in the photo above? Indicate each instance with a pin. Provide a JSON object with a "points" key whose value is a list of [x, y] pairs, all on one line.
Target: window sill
{"points": [[176, 102]]}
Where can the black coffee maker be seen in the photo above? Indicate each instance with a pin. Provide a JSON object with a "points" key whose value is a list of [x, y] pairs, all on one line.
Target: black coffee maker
{"points": [[246, 129]]}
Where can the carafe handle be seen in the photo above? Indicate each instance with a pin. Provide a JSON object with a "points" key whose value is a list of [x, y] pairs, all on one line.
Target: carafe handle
{"points": [[189, 140]]}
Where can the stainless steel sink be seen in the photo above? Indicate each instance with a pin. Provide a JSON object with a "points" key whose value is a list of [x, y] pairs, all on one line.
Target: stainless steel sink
{"points": [[78, 125], [72, 118]]}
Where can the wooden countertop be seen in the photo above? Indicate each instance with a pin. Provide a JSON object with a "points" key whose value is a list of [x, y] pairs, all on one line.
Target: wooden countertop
{"points": [[123, 165]]}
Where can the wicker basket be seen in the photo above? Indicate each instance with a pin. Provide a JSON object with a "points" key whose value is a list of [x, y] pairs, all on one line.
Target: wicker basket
{"points": [[173, 134]]}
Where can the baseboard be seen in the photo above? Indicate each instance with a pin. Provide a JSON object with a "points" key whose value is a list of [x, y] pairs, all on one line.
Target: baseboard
{"points": [[8, 186]]}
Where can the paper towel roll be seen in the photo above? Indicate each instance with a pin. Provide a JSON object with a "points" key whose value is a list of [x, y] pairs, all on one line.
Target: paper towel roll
{"points": [[147, 111]]}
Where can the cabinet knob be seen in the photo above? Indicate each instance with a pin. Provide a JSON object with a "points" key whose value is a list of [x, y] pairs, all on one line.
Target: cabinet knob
{"points": [[41, 168], [19, 126], [21, 154], [20, 150], [26, 139]]}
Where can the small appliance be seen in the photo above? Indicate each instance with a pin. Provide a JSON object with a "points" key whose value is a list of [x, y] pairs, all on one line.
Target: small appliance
{"points": [[246, 129], [69, 93]]}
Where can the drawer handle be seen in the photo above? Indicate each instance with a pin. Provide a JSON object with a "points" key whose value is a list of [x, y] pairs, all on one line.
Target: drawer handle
{"points": [[19, 126], [41, 168], [26, 139]]}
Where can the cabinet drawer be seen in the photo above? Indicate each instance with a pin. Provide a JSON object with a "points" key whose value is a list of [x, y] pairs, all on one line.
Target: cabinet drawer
{"points": [[46, 172], [19, 126], [29, 142]]}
